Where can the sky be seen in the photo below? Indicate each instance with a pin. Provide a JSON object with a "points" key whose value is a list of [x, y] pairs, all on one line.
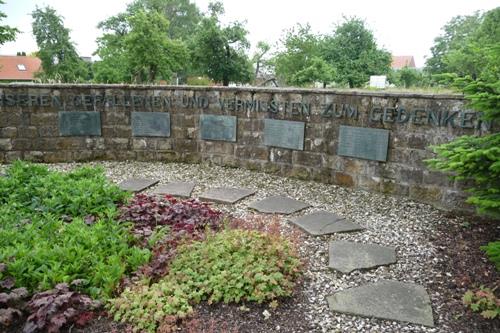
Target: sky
{"points": [[401, 27]]}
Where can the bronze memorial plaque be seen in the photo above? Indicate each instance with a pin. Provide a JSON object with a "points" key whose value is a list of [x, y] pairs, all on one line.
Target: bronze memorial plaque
{"points": [[365, 143], [220, 128], [156, 124], [79, 123], [284, 133]]}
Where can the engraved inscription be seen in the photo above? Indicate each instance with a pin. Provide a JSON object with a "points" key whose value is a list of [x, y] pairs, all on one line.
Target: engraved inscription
{"points": [[221, 128], [364, 143], [284, 133], [79, 123], [155, 124]]}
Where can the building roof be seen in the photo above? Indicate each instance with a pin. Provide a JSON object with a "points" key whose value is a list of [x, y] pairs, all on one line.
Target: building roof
{"points": [[399, 62], [19, 68]]}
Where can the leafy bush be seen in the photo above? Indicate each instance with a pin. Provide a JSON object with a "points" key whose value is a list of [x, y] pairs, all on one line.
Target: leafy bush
{"points": [[484, 301], [493, 252], [148, 211], [185, 221], [230, 266], [476, 159], [40, 248], [44, 251], [53, 309], [11, 305], [33, 189]]}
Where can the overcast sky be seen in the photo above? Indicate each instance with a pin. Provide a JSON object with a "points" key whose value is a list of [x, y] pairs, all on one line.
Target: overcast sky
{"points": [[401, 27]]}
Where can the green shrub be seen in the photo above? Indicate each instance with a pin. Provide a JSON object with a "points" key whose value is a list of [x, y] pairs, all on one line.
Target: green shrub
{"points": [[33, 189], [43, 251], [493, 252], [231, 266], [483, 301], [59, 227]]}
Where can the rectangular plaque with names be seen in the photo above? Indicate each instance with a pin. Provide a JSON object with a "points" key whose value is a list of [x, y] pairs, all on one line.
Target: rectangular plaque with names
{"points": [[79, 123], [364, 143], [284, 133], [220, 128], [155, 124]]}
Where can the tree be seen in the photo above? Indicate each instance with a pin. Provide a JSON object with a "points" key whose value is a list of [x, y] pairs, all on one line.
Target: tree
{"points": [[151, 54], [456, 34], [150, 37], [60, 60], [183, 15], [258, 59], [220, 52], [353, 52], [7, 33], [300, 61], [477, 158], [408, 77]]}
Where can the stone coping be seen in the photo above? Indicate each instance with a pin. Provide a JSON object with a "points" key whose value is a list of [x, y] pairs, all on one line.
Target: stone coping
{"points": [[274, 90]]}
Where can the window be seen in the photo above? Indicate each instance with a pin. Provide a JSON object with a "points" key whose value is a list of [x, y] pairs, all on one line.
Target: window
{"points": [[21, 67]]}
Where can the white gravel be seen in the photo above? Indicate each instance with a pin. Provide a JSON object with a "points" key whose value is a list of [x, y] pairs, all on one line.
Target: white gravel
{"points": [[389, 221]]}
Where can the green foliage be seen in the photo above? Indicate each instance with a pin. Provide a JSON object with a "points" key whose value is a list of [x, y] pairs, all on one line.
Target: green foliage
{"points": [[7, 33], [137, 48], [219, 52], [231, 266], [456, 34], [472, 158], [147, 42], [300, 61], [493, 252], [483, 301], [56, 228], [407, 77], [60, 61], [32, 189], [183, 15], [262, 64], [464, 48], [353, 52], [476, 159], [150, 53], [198, 81]]}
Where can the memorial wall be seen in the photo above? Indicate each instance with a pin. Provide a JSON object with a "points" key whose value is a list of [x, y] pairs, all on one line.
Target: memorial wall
{"points": [[370, 140]]}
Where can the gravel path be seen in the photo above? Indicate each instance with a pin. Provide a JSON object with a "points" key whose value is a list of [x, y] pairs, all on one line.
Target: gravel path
{"points": [[389, 221]]}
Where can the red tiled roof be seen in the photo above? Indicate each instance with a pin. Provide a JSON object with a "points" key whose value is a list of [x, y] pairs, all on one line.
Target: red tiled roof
{"points": [[11, 67], [399, 62]]}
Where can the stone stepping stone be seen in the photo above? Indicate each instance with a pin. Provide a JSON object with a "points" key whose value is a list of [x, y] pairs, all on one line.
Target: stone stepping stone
{"points": [[323, 223], [176, 189], [391, 300], [137, 184], [278, 205], [226, 195], [347, 256]]}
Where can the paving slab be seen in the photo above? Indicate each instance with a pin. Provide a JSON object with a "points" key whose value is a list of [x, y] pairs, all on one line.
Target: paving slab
{"points": [[137, 184], [278, 205], [385, 299], [324, 223], [226, 195], [176, 189], [348, 256]]}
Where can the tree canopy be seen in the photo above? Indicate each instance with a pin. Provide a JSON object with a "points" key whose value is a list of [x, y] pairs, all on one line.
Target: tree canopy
{"points": [[352, 50], [300, 61], [477, 158], [7, 33], [60, 61], [144, 44], [220, 52]]}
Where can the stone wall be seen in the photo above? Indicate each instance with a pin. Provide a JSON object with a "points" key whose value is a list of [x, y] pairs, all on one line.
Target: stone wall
{"points": [[30, 129]]}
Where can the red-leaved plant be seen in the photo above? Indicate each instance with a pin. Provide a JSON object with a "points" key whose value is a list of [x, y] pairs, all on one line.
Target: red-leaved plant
{"points": [[188, 220], [149, 211], [51, 310]]}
